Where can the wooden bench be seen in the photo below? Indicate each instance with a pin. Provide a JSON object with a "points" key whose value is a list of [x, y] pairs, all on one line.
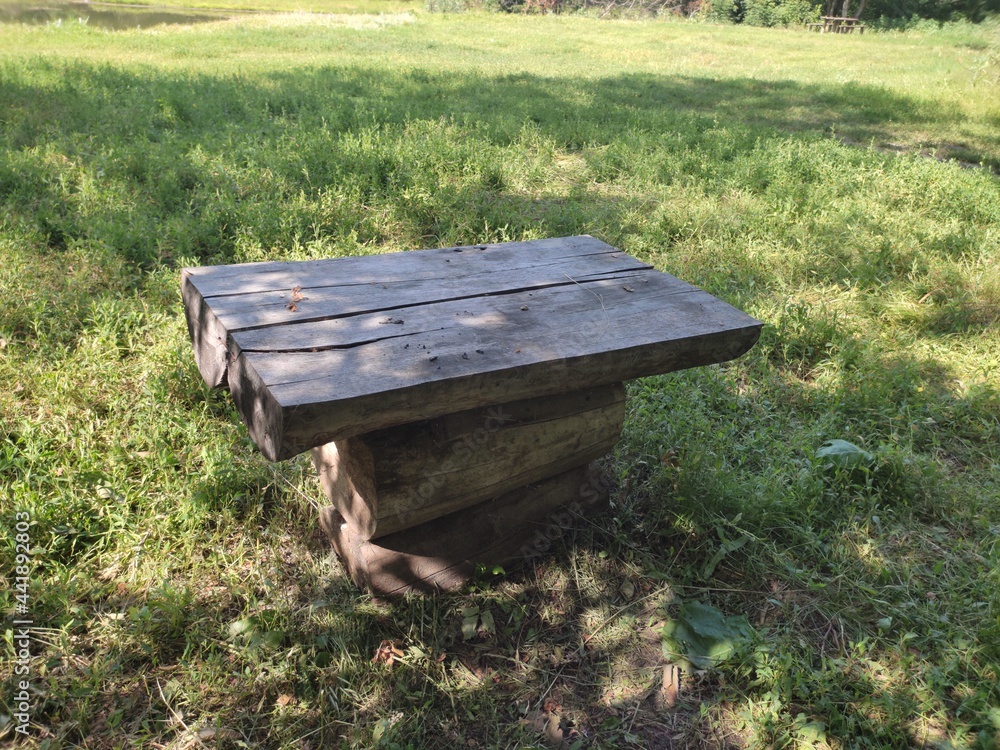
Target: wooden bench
{"points": [[453, 399]]}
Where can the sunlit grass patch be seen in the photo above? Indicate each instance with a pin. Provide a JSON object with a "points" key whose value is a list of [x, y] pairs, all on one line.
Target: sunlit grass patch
{"points": [[337, 7], [291, 20]]}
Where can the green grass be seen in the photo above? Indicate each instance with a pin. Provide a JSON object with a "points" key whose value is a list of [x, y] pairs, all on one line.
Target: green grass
{"points": [[180, 582], [339, 7]]}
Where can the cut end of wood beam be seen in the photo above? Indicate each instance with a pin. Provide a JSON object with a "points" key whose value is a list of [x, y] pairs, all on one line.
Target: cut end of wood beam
{"points": [[208, 335], [258, 409]]}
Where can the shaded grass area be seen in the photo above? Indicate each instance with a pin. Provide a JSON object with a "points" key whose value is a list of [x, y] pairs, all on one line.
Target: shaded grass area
{"points": [[180, 583]]}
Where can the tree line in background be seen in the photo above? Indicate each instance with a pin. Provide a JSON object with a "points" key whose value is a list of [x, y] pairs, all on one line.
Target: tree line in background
{"points": [[888, 13]]}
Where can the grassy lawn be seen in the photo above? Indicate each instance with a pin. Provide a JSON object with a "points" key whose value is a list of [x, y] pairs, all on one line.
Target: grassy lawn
{"points": [[181, 592], [284, 6]]}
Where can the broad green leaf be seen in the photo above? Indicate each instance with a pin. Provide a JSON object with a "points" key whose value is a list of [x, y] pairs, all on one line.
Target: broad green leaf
{"points": [[242, 627], [707, 621], [273, 638], [470, 619], [810, 733], [725, 548], [487, 621], [714, 562], [843, 454], [704, 635]]}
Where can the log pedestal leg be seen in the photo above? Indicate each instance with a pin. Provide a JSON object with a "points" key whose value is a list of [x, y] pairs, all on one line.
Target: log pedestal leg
{"points": [[417, 507]]}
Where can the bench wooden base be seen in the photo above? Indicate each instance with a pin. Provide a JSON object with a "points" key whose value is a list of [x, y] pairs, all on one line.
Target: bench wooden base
{"points": [[441, 555], [416, 507]]}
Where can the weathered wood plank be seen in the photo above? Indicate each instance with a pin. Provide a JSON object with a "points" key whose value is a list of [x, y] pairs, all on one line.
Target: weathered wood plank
{"points": [[249, 278], [223, 300], [437, 338], [389, 480], [573, 337], [453, 315], [442, 555], [242, 312], [576, 320]]}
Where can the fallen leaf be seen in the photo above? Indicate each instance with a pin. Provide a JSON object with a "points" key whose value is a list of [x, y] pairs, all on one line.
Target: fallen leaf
{"points": [[470, 621], [284, 699], [292, 306], [211, 734], [554, 734], [844, 455], [387, 653], [671, 685]]}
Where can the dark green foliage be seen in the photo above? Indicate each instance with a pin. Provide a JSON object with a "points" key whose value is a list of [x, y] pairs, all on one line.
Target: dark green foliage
{"points": [[762, 12], [896, 13], [880, 14], [779, 12]]}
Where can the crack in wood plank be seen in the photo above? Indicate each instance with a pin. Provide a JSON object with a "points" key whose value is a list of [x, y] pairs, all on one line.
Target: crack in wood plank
{"points": [[330, 347], [271, 313], [248, 278]]}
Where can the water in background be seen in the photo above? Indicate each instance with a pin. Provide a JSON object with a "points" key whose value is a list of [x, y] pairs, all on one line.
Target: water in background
{"points": [[114, 17]]}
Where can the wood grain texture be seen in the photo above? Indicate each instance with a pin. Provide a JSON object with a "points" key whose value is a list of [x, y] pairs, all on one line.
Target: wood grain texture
{"points": [[442, 555], [221, 300], [381, 341], [393, 479], [377, 270], [330, 394]]}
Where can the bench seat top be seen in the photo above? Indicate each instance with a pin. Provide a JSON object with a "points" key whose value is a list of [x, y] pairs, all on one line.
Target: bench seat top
{"points": [[315, 351]]}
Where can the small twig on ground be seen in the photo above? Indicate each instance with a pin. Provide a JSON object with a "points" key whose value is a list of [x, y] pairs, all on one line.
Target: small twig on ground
{"points": [[278, 475], [545, 694], [177, 717]]}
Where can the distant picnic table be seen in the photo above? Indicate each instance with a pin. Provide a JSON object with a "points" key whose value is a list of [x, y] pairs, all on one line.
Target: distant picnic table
{"points": [[837, 25]]}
